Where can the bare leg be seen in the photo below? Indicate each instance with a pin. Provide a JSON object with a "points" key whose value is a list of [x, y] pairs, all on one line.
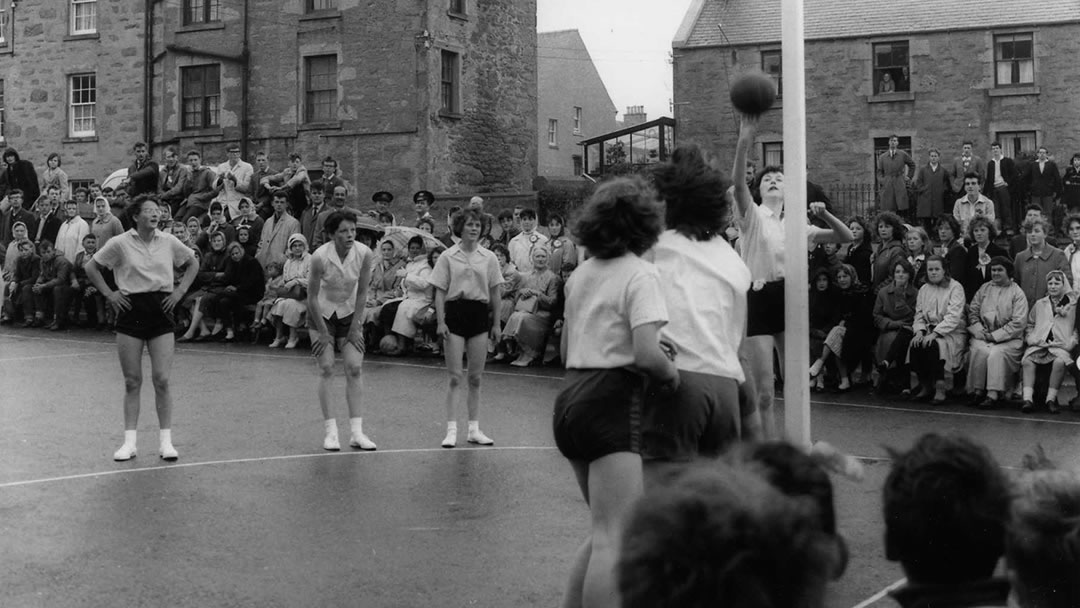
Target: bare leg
{"points": [[161, 360], [130, 351], [615, 481], [455, 347], [759, 356], [575, 587], [476, 351], [354, 380], [326, 379], [196, 319]]}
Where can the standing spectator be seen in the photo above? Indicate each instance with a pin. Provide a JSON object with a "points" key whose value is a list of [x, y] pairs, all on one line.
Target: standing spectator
{"points": [[981, 234], [894, 317], [338, 285], [48, 218], [12, 213], [1033, 263], [382, 213], [1044, 182], [86, 206], [240, 171], [522, 245], [296, 184], [19, 174], [563, 249], [1001, 182], [1042, 544], [1070, 186], [53, 175], [291, 309], [260, 192], [1051, 337], [142, 176], [143, 261], [476, 203], [449, 239], [467, 298], [200, 190], [530, 322], [996, 322], [966, 163], [422, 203], [940, 342], [973, 204], [105, 225], [311, 214], [337, 203], [950, 244], [894, 169], [276, 232], [933, 188], [946, 505], [173, 180], [890, 233], [1072, 230], [70, 236], [330, 178], [49, 296], [611, 344]]}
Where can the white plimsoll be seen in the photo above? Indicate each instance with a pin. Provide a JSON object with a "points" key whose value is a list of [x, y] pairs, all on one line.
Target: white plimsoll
{"points": [[360, 440]]}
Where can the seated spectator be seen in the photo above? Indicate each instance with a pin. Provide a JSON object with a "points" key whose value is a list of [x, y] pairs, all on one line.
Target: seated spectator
{"points": [[294, 182], [512, 279], [55, 177], [200, 189], [1019, 242], [946, 505], [890, 232], [27, 270], [981, 235], [856, 307], [272, 293], [213, 270], [1035, 262], [826, 256], [243, 236], [229, 197], [894, 315], [916, 246], [291, 310], [179, 230], [416, 309], [217, 223], [426, 224], [70, 236], [529, 323], [949, 244], [522, 245], [859, 252], [1042, 541], [86, 295], [939, 345], [826, 332], [49, 296], [997, 318], [243, 287], [385, 286], [1051, 337], [196, 234], [248, 217], [20, 235], [723, 537], [563, 250]]}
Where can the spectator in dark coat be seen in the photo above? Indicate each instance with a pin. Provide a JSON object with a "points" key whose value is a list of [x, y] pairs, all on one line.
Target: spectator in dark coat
{"points": [[981, 235], [1044, 182], [142, 177], [933, 189], [11, 213], [1070, 186], [19, 174], [860, 251], [1002, 181], [949, 244]]}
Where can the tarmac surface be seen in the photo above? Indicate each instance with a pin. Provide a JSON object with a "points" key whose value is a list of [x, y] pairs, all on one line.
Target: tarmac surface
{"points": [[255, 513]]}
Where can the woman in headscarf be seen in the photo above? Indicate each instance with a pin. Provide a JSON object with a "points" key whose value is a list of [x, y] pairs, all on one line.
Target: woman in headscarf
{"points": [[940, 341], [1051, 335], [211, 280], [19, 235], [244, 282], [419, 293], [996, 320], [530, 323], [290, 311]]}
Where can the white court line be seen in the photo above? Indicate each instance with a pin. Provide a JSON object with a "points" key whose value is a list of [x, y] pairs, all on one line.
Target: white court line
{"points": [[880, 594], [188, 465], [86, 354], [868, 406]]}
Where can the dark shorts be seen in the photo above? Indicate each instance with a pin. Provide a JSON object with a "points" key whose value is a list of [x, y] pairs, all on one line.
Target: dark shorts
{"points": [[338, 328], [145, 319], [701, 418], [468, 318], [598, 412], [765, 310]]}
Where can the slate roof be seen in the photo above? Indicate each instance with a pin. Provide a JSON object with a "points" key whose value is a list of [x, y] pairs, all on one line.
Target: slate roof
{"points": [[758, 21]]}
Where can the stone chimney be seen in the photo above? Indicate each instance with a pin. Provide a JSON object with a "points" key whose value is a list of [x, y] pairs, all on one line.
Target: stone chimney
{"points": [[635, 115]]}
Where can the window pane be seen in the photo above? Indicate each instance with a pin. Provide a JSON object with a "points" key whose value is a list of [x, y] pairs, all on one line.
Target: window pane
{"points": [[321, 93], [83, 16], [212, 10], [449, 76], [3, 25], [83, 99], [772, 64], [1, 110], [321, 5]]}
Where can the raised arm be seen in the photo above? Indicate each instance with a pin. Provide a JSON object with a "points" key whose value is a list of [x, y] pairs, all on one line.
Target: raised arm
{"points": [[741, 193]]}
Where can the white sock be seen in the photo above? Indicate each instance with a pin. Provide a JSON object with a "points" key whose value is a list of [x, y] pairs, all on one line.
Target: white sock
{"points": [[357, 426], [474, 426], [1029, 393], [1051, 394], [129, 438], [451, 426], [166, 436], [331, 425]]}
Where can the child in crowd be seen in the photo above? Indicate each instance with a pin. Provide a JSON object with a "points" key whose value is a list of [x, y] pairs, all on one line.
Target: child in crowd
{"points": [[1051, 336], [916, 245], [611, 346], [274, 290]]}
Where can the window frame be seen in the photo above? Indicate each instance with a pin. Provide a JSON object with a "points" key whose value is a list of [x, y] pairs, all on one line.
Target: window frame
{"points": [[312, 96], [771, 147], [1016, 136], [778, 75], [73, 17], [449, 83], [577, 120], [310, 8], [553, 132], [2, 122], [209, 12], [877, 71], [458, 7], [1016, 64], [72, 105], [4, 14], [209, 117]]}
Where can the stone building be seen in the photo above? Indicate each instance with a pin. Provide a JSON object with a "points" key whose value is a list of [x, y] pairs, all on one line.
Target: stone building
{"points": [[573, 103], [405, 94], [934, 73]]}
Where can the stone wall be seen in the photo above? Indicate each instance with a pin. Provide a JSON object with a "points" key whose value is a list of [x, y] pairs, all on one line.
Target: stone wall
{"points": [[953, 99]]}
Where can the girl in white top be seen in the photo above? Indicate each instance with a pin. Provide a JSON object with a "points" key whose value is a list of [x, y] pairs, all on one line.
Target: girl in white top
{"points": [[337, 287], [611, 345]]}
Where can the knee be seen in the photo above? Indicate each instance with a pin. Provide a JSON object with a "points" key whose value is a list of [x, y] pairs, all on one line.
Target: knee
{"points": [[161, 382], [474, 379], [455, 379], [132, 382], [326, 370], [352, 370]]}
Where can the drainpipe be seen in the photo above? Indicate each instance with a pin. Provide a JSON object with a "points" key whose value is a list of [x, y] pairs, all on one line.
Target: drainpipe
{"points": [[148, 75], [245, 77]]}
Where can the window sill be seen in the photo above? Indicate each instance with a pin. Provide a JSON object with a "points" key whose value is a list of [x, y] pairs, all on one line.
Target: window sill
{"points": [[553, 146], [1011, 91], [207, 132], [6, 49], [451, 115], [319, 15], [458, 16], [86, 36], [79, 139], [891, 97], [200, 27], [334, 125]]}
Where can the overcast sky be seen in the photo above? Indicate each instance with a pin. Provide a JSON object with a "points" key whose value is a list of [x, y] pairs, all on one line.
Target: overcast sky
{"points": [[630, 42]]}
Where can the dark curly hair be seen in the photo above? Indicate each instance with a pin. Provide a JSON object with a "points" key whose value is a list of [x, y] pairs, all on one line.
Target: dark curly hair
{"points": [[983, 222], [621, 216], [890, 218], [459, 219], [695, 193], [947, 219]]}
